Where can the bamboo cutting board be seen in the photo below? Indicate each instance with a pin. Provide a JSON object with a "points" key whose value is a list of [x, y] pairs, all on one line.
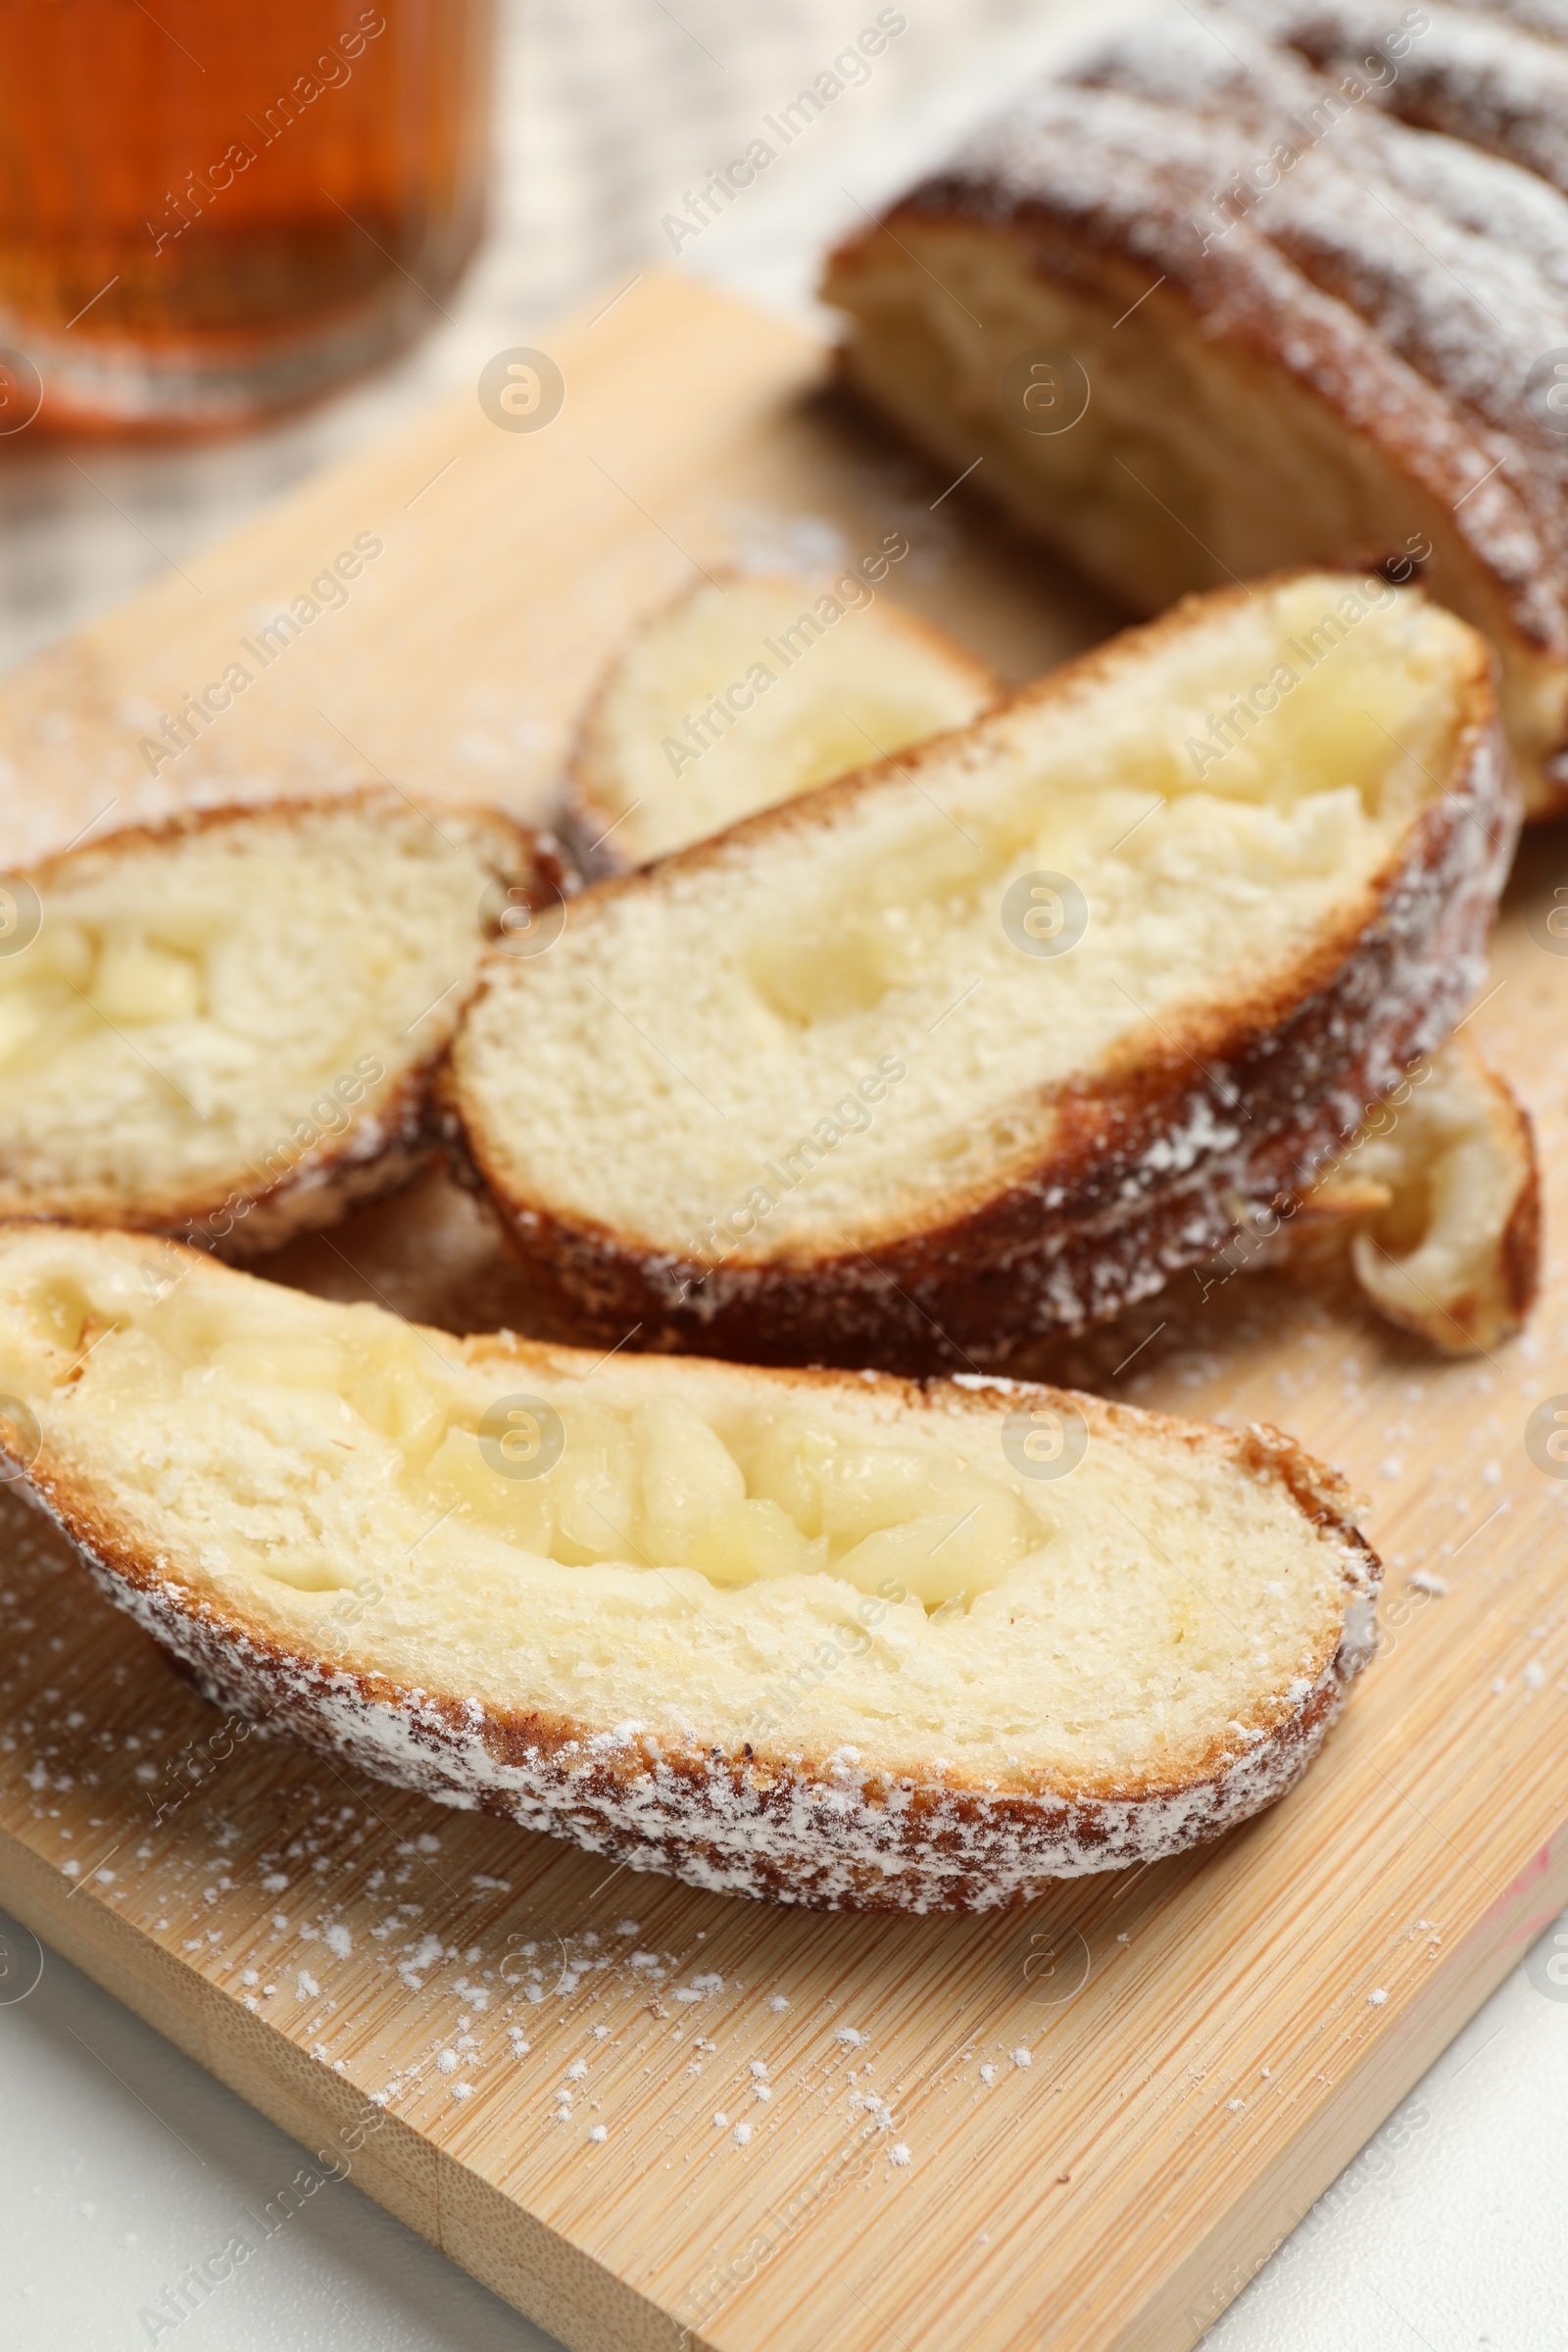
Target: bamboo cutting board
{"points": [[1078, 2127]]}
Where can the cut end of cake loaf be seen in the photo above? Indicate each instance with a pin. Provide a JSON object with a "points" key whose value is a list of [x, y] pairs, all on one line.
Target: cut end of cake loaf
{"points": [[836, 1640], [1437, 1206], [1203, 310], [226, 1026], [747, 692], [987, 1041]]}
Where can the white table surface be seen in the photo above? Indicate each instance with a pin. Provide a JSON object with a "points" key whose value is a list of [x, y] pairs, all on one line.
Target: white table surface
{"points": [[122, 2162]]}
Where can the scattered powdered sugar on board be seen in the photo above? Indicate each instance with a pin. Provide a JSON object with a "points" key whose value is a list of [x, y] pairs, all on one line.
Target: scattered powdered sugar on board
{"points": [[766, 540]]}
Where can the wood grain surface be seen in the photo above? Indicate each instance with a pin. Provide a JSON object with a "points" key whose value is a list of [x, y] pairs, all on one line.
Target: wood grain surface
{"points": [[1078, 2127]]}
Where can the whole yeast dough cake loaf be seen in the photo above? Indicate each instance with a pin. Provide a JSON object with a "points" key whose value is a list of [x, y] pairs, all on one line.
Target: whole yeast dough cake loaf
{"points": [[1262, 284]]}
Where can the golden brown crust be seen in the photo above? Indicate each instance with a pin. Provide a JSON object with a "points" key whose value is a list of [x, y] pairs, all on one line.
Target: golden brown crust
{"points": [[240, 1215], [1150, 1163], [1520, 1265], [797, 1823]]}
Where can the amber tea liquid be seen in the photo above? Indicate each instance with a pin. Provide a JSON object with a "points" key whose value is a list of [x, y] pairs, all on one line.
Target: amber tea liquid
{"points": [[214, 208]]}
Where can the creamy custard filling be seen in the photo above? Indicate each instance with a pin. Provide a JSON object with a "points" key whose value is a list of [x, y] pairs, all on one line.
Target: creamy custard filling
{"points": [[186, 1002], [1069, 881], [669, 1543]]}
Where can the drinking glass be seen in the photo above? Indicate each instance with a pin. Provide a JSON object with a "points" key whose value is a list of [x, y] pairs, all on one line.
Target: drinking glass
{"points": [[209, 211]]}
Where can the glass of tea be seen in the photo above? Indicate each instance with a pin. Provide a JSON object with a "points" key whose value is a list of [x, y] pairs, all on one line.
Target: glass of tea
{"points": [[210, 211]]}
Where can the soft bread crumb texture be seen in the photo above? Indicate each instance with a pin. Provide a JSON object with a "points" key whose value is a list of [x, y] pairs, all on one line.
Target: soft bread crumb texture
{"points": [[748, 692], [199, 1000], [796, 1564], [855, 962], [1443, 1252], [1435, 1206]]}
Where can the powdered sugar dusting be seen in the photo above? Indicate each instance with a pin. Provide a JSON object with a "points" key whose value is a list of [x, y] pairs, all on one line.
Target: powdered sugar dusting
{"points": [[1412, 272], [856, 1837]]}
